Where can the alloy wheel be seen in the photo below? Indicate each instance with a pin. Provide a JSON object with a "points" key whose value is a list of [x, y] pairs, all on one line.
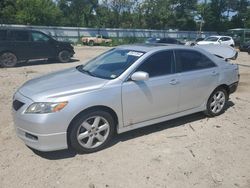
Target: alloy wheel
{"points": [[93, 132], [218, 102], [8, 59]]}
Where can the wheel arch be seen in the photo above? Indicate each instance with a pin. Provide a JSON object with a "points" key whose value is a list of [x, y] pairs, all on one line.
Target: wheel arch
{"points": [[224, 86], [91, 109], [4, 51]]}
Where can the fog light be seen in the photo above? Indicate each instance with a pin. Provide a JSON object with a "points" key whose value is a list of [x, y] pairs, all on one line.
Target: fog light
{"points": [[31, 136]]}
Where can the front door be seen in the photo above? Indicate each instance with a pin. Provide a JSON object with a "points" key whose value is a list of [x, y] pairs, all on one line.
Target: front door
{"points": [[43, 46], [156, 97]]}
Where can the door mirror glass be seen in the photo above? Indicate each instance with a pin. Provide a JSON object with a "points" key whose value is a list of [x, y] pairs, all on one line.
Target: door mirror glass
{"points": [[140, 76]]}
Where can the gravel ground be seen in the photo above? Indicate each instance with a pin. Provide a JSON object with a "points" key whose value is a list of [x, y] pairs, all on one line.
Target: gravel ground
{"points": [[193, 151]]}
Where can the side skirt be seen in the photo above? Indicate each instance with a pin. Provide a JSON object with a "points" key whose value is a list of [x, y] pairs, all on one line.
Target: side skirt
{"points": [[158, 120]]}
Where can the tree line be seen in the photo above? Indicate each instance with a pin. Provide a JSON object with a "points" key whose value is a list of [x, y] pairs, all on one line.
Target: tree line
{"points": [[211, 15]]}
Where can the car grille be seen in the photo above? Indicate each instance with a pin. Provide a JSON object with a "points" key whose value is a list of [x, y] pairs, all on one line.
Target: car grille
{"points": [[17, 104]]}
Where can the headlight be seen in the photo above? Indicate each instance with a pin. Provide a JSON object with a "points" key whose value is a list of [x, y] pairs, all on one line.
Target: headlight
{"points": [[45, 107]]}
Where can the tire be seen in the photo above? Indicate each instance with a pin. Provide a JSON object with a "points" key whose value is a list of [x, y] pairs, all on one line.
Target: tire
{"points": [[91, 132], [8, 59], [217, 102], [91, 43], [64, 56]]}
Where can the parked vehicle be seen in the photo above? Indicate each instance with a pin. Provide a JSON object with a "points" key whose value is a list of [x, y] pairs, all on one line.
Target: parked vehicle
{"points": [[125, 88], [217, 40], [244, 47], [152, 40], [194, 42], [240, 35], [164, 40], [18, 45], [99, 39]]}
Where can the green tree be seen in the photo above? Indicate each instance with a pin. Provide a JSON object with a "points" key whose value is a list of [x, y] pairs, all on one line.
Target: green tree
{"points": [[7, 11], [37, 12]]}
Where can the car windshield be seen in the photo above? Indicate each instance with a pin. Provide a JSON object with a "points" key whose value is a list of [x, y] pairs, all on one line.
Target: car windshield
{"points": [[211, 39], [111, 64]]}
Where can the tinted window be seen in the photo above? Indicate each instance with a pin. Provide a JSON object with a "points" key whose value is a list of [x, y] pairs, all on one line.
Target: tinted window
{"points": [[225, 39], [40, 37], [214, 39], [3, 35], [188, 60], [158, 64], [20, 35], [168, 40]]}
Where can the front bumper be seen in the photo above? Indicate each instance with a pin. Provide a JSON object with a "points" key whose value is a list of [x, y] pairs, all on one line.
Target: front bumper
{"points": [[42, 142], [43, 132]]}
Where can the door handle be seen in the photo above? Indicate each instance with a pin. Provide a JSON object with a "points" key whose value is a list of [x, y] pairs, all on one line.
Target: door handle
{"points": [[215, 73], [174, 82]]}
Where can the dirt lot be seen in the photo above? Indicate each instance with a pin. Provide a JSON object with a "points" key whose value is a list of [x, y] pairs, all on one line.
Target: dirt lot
{"points": [[193, 151]]}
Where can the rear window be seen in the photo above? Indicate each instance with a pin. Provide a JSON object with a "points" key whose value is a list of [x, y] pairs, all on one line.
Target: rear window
{"points": [[20, 35], [3, 35], [189, 60]]}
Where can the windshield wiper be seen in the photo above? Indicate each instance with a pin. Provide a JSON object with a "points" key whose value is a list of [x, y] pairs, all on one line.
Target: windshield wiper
{"points": [[80, 68]]}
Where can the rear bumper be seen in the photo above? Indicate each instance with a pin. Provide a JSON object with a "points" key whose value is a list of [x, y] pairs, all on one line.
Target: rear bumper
{"points": [[233, 87]]}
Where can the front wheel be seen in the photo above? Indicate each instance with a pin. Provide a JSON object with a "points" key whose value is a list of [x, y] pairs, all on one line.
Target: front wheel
{"points": [[8, 59], [91, 132], [64, 56], [217, 102]]}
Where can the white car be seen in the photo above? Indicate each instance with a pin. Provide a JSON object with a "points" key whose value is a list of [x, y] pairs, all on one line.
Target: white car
{"points": [[218, 40]]}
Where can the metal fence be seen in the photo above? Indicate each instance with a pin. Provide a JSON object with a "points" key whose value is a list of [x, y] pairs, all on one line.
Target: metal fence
{"points": [[74, 33]]}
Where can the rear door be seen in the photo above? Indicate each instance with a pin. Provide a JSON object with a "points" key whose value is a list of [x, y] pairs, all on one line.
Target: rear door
{"points": [[198, 78], [21, 44], [226, 40]]}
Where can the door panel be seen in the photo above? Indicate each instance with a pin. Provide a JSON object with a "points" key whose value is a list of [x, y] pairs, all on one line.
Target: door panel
{"points": [[198, 78], [21, 44], [196, 86], [149, 99], [43, 47]]}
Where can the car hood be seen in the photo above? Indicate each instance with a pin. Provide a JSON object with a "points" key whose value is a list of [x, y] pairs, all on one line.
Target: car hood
{"points": [[60, 84]]}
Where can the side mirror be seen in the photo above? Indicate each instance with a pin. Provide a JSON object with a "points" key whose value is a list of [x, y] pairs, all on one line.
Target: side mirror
{"points": [[140, 76], [219, 41]]}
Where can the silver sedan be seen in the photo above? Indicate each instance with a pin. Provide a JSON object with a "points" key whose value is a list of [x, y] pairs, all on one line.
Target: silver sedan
{"points": [[125, 88]]}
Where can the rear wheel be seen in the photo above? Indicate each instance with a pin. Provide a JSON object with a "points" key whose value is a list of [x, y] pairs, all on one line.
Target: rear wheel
{"points": [[64, 56], [91, 43], [91, 132], [8, 59], [217, 102]]}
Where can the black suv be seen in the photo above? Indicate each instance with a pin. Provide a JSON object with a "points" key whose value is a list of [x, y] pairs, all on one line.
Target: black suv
{"points": [[18, 45]]}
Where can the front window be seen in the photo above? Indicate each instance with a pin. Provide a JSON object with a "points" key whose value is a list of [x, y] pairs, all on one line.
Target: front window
{"points": [[39, 37], [213, 39], [111, 64]]}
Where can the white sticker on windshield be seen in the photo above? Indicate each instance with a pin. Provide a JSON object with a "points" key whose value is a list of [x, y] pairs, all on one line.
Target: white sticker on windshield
{"points": [[137, 54], [113, 76]]}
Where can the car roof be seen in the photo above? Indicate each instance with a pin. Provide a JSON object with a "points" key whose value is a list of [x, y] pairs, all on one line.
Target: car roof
{"points": [[18, 29], [219, 36], [223, 51], [147, 47]]}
